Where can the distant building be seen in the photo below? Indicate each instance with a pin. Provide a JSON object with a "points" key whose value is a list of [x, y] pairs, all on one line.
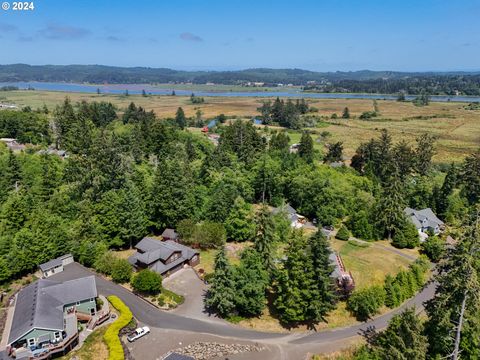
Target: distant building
{"points": [[44, 322], [163, 257], [56, 265], [8, 106], [425, 220], [13, 145], [343, 279], [51, 151], [214, 138], [294, 148]]}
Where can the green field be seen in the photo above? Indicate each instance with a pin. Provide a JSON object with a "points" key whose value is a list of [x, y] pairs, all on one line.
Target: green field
{"points": [[457, 129]]}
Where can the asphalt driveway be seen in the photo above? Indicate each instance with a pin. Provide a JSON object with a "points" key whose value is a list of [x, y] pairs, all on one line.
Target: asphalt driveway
{"points": [[186, 282], [150, 315]]}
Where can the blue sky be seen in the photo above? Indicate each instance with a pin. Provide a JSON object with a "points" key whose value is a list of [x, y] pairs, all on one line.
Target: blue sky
{"points": [[318, 35]]}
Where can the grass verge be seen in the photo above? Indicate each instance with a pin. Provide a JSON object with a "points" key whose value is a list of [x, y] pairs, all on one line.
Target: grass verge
{"points": [[94, 348]]}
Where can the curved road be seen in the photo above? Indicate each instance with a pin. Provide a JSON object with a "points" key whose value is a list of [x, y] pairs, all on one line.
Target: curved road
{"points": [[150, 315]]}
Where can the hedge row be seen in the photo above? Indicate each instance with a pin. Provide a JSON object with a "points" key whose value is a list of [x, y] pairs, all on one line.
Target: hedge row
{"points": [[111, 335], [367, 302]]}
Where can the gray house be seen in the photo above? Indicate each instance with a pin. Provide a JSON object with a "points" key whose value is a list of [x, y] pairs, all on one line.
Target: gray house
{"points": [[296, 220], [163, 257], [424, 220], [46, 314]]}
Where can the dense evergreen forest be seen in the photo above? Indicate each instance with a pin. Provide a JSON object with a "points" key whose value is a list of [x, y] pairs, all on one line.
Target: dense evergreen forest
{"points": [[130, 175], [383, 82]]}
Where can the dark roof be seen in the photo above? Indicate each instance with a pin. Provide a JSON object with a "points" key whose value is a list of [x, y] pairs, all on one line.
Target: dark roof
{"points": [[147, 244], [177, 356], [155, 253], [169, 234], [40, 304], [53, 263]]}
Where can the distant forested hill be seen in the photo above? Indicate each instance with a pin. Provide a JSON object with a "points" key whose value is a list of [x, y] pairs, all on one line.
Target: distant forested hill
{"points": [[450, 83]]}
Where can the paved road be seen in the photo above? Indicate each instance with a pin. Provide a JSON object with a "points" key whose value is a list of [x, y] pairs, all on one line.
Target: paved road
{"points": [[154, 317]]}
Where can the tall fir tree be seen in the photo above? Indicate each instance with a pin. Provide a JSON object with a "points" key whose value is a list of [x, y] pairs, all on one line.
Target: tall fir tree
{"points": [[442, 198], [222, 294], [323, 287], [470, 178], [294, 283], [424, 153], [403, 339], [180, 118], [239, 223], [251, 281], [171, 198], [305, 149], [265, 237], [453, 324], [390, 206]]}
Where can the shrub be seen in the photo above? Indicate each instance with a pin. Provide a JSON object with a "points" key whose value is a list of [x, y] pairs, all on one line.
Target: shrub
{"points": [[406, 236], [161, 300], [368, 115], [115, 348], [98, 303], [433, 248], [343, 233], [361, 225], [104, 263], [121, 271], [147, 282], [366, 302]]}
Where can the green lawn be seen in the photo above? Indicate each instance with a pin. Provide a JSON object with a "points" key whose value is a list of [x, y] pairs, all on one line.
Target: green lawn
{"points": [[369, 265]]}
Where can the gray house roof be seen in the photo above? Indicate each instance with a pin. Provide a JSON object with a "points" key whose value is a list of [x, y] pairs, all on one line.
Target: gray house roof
{"points": [[170, 234], [288, 209], [423, 218], [53, 263], [147, 244], [40, 304], [154, 253]]}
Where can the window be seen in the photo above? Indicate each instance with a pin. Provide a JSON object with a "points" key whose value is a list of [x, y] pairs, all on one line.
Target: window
{"points": [[57, 335], [31, 342]]}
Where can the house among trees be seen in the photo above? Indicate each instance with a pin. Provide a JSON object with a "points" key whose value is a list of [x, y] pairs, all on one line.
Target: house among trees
{"points": [[163, 257], [343, 279], [294, 148], [62, 154], [297, 221], [425, 221], [55, 266], [13, 145], [46, 315]]}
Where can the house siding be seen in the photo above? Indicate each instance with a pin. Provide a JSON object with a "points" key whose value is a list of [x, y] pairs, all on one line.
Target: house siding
{"points": [[84, 306], [36, 333]]}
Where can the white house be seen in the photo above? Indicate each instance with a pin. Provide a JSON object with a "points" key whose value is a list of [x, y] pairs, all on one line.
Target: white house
{"points": [[56, 265], [424, 220]]}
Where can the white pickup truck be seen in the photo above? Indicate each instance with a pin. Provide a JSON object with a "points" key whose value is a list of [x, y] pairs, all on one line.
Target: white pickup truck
{"points": [[138, 333]]}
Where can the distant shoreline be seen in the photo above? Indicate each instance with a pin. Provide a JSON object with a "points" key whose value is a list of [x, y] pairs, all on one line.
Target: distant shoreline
{"points": [[216, 90]]}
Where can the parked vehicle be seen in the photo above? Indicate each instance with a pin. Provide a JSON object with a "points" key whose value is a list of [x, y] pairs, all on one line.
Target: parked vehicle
{"points": [[138, 333]]}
